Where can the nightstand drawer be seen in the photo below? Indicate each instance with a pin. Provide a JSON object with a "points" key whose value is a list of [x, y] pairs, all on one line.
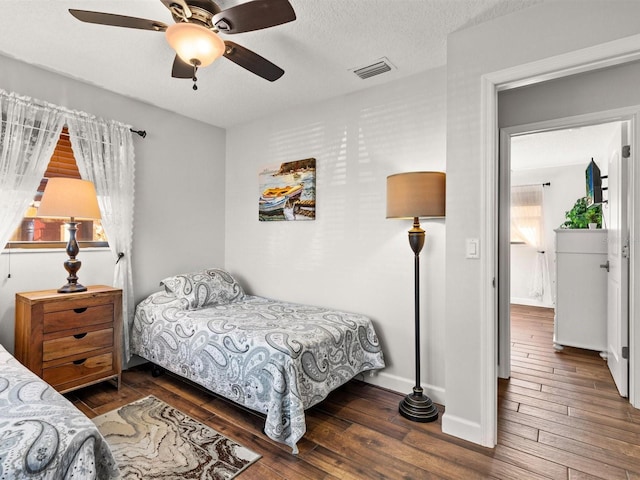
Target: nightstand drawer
{"points": [[77, 317], [76, 344], [84, 367]]}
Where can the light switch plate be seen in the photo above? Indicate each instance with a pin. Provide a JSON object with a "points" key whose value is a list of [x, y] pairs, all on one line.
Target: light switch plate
{"points": [[473, 248]]}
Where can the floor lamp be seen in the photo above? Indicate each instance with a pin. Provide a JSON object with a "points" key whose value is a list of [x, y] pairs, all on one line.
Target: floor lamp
{"points": [[415, 195], [70, 197]]}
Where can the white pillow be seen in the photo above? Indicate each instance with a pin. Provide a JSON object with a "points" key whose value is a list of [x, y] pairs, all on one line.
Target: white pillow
{"points": [[204, 288]]}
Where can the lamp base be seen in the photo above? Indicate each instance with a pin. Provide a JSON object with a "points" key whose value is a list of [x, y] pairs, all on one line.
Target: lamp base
{"points": [[72, 264], [72, 288], [418, 407]]}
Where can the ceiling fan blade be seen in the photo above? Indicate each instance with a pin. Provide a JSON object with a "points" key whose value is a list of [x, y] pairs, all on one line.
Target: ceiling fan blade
{"points": [[254, 15], [181, 69], [252, 61], [117, 20]]}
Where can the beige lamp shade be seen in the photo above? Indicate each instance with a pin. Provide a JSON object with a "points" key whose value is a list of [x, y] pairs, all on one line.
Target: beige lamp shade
{"points": [[416, 194], [69, 197], [195, 42]]}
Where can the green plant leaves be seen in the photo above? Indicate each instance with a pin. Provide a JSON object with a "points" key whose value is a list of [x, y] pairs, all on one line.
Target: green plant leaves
{"points": [[581, 215]]}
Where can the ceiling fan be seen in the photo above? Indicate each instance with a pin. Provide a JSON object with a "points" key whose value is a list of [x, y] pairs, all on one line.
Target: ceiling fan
{"points": [[195, 38]]}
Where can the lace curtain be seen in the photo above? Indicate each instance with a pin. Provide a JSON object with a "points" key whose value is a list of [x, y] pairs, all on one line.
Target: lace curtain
{"points": [[29, 132], [104, 154], [527, 221]]}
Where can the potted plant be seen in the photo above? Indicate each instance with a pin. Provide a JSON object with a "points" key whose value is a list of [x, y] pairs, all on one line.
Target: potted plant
{"points": [[581, 215], [594, 216]]}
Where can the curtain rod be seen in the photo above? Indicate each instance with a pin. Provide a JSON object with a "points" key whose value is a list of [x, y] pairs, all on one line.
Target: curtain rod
{"points": [[546, 184], [142, 133]]}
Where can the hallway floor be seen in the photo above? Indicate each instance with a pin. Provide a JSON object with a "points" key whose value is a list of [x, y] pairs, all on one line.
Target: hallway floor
{"points": [[563, 407]]}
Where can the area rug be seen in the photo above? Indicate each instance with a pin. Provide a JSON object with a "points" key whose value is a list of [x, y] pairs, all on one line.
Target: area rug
{"points": [[153, 440]]}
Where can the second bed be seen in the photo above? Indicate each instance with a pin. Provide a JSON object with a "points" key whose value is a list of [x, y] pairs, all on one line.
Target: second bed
{"points": [[274, 357]]}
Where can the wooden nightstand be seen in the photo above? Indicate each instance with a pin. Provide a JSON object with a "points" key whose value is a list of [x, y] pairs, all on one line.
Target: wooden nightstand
{"points": [[70, 340]]}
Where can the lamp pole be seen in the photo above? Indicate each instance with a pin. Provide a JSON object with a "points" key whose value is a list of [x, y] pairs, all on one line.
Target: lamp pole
{"points": [[72, 264], [416, 406]]}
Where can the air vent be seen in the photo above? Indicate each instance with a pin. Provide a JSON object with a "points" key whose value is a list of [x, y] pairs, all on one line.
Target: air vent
{"points": [[381, 66]]}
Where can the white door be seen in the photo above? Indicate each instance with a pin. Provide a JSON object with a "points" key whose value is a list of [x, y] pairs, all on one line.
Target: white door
{"points": [[618, 262]]}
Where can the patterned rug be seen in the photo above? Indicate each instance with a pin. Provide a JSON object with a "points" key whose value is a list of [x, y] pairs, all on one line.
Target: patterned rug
{"points": [[153, 440]]}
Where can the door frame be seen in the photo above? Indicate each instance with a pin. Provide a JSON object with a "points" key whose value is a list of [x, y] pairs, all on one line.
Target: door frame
{"points": [[627, 114], [611, 53]]}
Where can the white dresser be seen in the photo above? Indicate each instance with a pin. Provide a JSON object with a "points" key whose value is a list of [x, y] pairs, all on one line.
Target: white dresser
{"points": [[581, 289]]}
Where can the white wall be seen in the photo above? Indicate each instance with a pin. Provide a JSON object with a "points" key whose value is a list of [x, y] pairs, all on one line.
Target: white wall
{"points": [[567, 185], [536, 33], [350, 257], [179, 210], [594, 91]]}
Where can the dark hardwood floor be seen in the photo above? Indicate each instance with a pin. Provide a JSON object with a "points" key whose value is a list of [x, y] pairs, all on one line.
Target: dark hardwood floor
{"points": [[560, 417]]}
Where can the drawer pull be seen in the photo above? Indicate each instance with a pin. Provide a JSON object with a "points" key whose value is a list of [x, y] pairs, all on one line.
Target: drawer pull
{"points": [[80, 310], [80, 335], [79, 362]]}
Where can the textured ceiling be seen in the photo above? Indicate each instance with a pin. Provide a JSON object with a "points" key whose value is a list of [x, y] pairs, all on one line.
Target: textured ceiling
{"points": [[318, 50]]}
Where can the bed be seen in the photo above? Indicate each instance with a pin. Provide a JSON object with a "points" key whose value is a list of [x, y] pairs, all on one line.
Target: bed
{"points": [[42, 435], [273, 357]]}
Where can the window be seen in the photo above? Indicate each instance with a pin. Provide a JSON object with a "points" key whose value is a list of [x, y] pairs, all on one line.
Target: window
{"points": [[40, 232], [526, 215]]}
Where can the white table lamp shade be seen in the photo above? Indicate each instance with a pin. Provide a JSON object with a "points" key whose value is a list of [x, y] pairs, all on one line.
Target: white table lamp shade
{"points": [[69, 197]]}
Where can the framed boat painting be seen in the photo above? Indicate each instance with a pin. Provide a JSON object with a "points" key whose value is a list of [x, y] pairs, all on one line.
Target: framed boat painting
{"points": [[288, 191]]}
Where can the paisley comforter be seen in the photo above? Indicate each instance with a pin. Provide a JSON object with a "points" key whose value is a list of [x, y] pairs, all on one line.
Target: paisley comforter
{"points": [[42, 435], [273, 357]]}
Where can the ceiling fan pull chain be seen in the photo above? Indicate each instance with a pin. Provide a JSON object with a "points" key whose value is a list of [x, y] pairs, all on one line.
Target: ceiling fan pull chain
{"points": [[195, 79]]}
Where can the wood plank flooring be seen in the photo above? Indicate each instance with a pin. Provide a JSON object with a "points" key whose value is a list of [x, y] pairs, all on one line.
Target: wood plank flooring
{"points": [[564, 407], [560, 417]]}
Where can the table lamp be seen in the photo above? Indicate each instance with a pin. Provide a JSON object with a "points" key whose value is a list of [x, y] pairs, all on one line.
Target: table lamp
{"points": [[74, 198]]}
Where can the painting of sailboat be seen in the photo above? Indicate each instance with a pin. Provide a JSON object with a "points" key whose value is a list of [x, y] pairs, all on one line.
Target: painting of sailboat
{"points": [[288, 191]]}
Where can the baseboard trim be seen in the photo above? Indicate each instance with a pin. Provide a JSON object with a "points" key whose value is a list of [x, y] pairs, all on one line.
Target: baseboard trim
{"points": [[403, 385], [529, 302], [464, 429]]}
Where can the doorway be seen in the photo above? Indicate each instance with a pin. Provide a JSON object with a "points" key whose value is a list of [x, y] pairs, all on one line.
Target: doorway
{"points": [[619, 52], [542, 177]]}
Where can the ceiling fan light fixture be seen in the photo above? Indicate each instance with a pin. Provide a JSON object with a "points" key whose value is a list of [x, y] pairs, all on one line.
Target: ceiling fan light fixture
{"points": [[194, 42]]}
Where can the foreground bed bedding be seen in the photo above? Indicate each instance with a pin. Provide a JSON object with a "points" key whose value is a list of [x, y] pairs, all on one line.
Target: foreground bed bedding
{"points": [[273, 357], [42, 435]]}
